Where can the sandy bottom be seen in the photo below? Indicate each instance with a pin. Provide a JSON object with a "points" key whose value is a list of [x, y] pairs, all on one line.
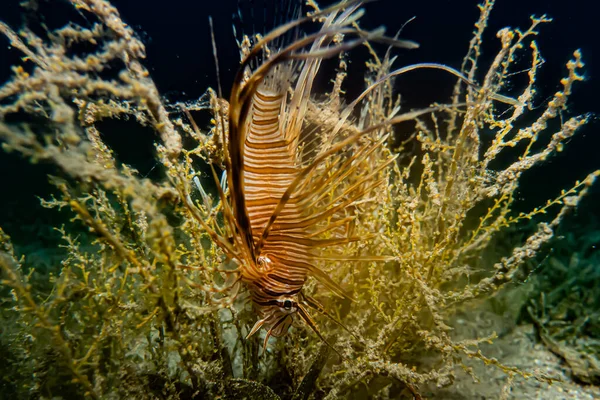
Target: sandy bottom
{"points": [[518, 346]]}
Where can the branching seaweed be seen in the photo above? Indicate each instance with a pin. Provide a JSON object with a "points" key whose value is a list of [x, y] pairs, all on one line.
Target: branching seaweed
{"points": [[147, 305]]}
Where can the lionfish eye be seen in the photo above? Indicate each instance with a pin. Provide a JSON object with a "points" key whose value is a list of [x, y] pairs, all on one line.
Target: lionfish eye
{"points": [[287, 304]]}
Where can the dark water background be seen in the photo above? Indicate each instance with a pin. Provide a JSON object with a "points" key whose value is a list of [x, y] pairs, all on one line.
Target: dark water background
{"points": [[179, 57]]}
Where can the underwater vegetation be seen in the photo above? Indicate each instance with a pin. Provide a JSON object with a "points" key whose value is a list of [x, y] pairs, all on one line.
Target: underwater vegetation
{"points": [[175, 284], [564, 304]]}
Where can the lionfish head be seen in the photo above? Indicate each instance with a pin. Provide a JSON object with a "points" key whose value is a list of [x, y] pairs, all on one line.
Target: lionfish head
{"points": [[278, 315]]}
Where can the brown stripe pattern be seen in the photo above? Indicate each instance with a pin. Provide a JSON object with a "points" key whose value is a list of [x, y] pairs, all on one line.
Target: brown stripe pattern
{"points": [[270, 167], [285, 207]]}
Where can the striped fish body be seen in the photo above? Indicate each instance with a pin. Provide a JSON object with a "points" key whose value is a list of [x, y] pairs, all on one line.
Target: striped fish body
{"points": [[287, 207], [270, 167]]}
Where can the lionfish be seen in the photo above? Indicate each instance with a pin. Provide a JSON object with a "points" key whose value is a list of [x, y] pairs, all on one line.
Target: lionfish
{"points": [[279, 209]]}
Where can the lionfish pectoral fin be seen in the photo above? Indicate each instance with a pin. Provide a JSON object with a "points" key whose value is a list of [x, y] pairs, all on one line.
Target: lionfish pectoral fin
{"points": [[324, 279], [268, 335], [314, 304], [256, 327], [309, 321]]}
